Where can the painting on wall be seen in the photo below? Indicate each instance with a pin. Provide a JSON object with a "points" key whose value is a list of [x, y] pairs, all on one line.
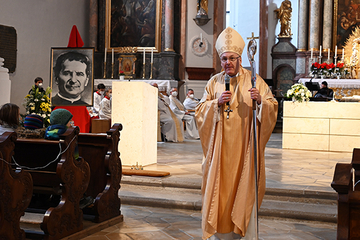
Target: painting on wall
{"points": [[346, 19], [127, 65], [134, 23], [72, 76]]}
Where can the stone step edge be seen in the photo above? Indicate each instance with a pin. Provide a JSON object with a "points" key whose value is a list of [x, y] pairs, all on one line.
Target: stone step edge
{"points": [[269, 191], [167, 203]]}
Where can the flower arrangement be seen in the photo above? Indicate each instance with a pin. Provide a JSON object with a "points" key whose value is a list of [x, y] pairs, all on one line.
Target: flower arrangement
{"points": [[37, 102], [299, 93], [326, 69], [121, 73]]}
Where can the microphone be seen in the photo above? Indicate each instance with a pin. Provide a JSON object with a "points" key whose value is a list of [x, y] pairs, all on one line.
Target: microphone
{"points": [[227, 84]]}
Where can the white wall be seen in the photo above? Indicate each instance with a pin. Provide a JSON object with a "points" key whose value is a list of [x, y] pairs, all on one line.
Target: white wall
{"points": [[40, 25]]}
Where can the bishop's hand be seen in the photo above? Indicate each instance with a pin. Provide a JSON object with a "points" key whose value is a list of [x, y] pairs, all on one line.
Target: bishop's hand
{"points": [[224, 98]]}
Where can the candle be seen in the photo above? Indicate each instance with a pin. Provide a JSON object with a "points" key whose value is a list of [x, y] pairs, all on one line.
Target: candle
{"points": [[105, 54], [311, 54], [328, 53], [200, 37], [112, 55], [335, 51], [320, 51], [342, 57], [152, 55], [143, 55]]}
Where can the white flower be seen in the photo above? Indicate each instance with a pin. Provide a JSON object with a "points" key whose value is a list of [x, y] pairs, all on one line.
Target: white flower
{"points": [[36, 100], [43, 116]]}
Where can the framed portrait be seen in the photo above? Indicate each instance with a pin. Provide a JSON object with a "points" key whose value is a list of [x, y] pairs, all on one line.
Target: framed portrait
{"points": [[71, 76], [135, 23], [346, 19], [127, 65]]}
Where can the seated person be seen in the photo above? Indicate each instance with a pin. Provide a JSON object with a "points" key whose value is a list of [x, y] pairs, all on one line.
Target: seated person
{"points": [[324, 91], [180, 111], [9, 118], [38, 84], [98, 96], [190, 102], [105, 105]]}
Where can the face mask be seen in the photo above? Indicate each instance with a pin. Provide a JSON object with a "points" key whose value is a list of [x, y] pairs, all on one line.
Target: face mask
{"points": [[40, 85], [191, 96], [110, 95], [101, 92], [174, 94]]}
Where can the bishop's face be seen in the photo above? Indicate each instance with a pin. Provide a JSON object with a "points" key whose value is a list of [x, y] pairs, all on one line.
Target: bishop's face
{"points": [[230, 62]]}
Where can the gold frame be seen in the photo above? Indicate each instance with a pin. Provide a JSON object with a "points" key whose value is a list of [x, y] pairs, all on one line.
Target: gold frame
{"points": [[156, 48], [130, 61]]}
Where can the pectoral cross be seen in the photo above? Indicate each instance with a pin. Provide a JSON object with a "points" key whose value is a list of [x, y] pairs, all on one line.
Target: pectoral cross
{"points": [[228, 110]]}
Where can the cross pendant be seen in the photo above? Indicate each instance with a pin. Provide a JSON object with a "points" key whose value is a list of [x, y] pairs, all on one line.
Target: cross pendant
{"points": [[228, 110]]}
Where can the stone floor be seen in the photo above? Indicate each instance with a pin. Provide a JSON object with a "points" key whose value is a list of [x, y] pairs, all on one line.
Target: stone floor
{"points": [[285, 169]]}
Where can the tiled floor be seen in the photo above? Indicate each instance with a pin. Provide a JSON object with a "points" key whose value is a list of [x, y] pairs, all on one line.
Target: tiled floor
{"points": [[286, 169]]}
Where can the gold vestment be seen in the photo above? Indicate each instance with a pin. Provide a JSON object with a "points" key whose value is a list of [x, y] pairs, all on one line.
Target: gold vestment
{"points": [[228, 186]]}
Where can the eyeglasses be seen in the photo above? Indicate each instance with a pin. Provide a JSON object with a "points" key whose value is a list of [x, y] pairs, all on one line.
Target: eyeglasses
{"points": [[231, 59]]}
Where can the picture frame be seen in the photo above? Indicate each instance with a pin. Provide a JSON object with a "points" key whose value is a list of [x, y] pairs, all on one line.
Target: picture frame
{"points": [[133, 24], [67, 90], [344, 21], [127, 65]]}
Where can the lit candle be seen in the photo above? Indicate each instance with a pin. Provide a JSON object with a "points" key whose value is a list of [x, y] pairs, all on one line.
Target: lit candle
{"points": [[328, 53], [320, 51], [143, 55], [342, 57], [311, 54], [335, 51], [152, 55], [112, 55], [200, 37], [105, 54]]}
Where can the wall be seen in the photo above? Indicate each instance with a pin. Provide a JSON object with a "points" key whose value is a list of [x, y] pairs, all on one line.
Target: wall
{"points": [[40, 25]]}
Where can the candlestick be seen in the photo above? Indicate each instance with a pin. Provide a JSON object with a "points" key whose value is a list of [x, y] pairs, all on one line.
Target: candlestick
{"points": [[112, 70], [104, 70], [328, 54], [143, 70], [151, 70], [342, 57], [200, 37], [105, 54], [112, 56], [152, 56], [144, 56], [311, 57], [320, 51], [335, 51]]}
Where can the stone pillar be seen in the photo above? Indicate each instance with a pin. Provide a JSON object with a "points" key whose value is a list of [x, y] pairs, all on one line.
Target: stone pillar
{"points": [[314, 36], [5, 84], [93, 28], [327, 24], [169, 26], [303, 25]]}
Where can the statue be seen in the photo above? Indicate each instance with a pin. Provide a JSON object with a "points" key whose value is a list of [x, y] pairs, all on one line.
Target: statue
{"points": [[283, 13], [202, 7]]}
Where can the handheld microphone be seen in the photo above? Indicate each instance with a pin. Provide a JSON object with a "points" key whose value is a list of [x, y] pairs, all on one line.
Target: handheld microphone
{"points": [[227, 84]]}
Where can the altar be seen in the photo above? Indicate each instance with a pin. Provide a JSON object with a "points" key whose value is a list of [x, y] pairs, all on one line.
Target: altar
{"points": [[163, 85], [342, 87]]}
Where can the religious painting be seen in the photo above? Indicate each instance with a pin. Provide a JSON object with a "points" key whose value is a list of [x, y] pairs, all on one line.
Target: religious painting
{"points": [[346, 19], [133, 23], [127, 65], [71, 72]]}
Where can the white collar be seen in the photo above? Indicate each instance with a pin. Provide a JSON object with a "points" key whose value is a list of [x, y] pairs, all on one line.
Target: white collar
{"points": [[68, 99]]}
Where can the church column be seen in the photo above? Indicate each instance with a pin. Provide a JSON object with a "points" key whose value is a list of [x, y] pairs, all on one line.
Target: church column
{"points": [[327, 24], [93, 14], [314, 36], [303, 25], [169, 26]]}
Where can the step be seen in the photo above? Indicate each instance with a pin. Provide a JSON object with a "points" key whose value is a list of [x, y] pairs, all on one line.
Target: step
{"points": [[292, 204]]}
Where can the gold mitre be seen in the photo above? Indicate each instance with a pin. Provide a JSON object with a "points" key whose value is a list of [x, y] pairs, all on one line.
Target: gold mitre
{"points": [[229, 40]]}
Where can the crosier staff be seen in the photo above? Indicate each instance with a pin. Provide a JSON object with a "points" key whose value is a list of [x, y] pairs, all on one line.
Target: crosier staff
{"points": [[251, 50]]}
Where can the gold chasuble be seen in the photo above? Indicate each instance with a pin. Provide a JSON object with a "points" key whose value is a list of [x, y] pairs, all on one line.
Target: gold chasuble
{"points": [[228, 186]]}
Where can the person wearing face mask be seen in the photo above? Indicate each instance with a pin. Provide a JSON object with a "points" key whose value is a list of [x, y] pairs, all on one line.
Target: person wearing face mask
{"points": [[98, 96], [228, 186], [180, 111], [190, 102], [38, 85], [105, 105]]}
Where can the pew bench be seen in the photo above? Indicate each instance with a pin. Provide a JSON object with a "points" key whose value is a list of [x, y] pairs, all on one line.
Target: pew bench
{"points": [[100, 151], [64, 175], [16, 191], [346, 182]]}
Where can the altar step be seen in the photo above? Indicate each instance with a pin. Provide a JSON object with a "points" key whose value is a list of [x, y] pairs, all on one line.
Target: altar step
{"points": [[277, 203]]}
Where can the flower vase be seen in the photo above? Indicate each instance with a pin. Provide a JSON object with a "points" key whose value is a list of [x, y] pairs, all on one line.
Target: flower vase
{"points": [[122, 77]]}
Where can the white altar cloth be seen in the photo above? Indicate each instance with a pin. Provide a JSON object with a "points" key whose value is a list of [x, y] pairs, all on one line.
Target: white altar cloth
{"points": [[164, 85], [334, 83]]}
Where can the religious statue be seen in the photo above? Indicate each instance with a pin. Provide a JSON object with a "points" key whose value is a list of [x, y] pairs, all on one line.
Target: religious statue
{"points": [[283, 13], [202, 7]]}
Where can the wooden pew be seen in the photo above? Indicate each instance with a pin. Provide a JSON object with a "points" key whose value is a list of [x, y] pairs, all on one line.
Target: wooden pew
{"points": [[348, 223], [16, 191], [101, 153], [66, 175]]}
